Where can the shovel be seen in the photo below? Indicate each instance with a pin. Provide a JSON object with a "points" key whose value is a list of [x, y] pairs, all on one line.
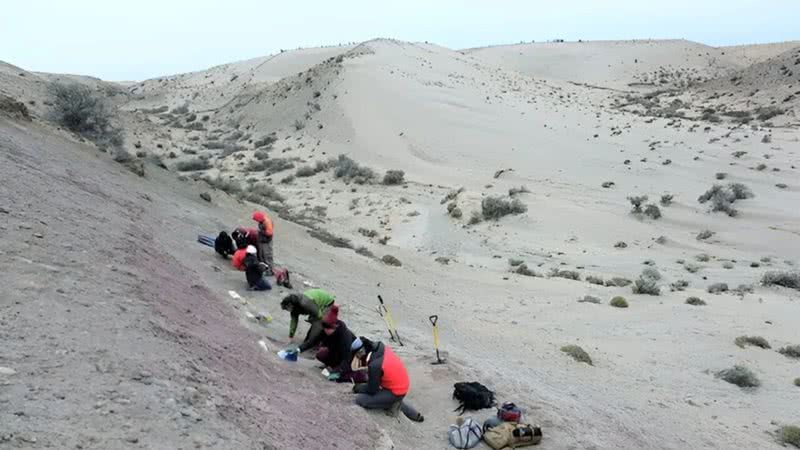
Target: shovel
{"points": [[387, 317], [434, 320]]}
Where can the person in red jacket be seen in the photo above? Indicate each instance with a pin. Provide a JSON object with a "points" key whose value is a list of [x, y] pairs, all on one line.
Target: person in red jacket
{"points": [[264, 238], [387, 380]]}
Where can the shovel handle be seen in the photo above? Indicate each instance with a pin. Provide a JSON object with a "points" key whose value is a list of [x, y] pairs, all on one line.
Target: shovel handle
{"points": [[434, 318], [380, 299]]}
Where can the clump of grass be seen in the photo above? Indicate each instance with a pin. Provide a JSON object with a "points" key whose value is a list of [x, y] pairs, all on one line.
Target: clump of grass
{"points": [[493, 208], [618, 302], [523, 269], [652, 211], [705, 234], [228, 186], [718, 288], [666, 199], [692, 268], [723, 197], [727, 265], [703, 257], [789, 280], [695, 301], [679, 285], [299, 125], [390, 260], [330, 239], [789, 434], [393, 177], [475, 218], [647, 283], [721, 175], [265, 141], [618, 282], [636, 202], [756, 341], [263, 194], [514, 262], [192, 165], [621, 244], [589, 299], [577, 353], [596, 280], [791, 351], [740, 376], [568, 274], [367, 232], [364, 251], [305, 171], [270, 166]]}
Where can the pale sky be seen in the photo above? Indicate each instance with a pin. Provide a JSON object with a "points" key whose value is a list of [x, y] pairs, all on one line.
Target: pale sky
{"points": [[134, 40]]}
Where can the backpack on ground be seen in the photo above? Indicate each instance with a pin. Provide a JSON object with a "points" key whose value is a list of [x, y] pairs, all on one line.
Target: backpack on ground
{"points": [[509, 412], [472, 396], [223, 244], [512, 435], [466, 433]]}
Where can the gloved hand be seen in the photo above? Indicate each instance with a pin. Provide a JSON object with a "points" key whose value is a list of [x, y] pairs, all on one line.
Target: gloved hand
{"points": [[333, 376]]}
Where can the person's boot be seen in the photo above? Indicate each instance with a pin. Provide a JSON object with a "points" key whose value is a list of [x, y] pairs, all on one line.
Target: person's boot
{"points": [[394, 410]]}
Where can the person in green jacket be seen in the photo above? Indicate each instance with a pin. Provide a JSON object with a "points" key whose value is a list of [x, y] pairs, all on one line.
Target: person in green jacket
{"points": [[313, 303]]}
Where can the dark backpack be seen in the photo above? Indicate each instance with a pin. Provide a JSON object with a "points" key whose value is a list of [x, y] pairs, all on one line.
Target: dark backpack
{"points": [[473, 396], [223, 244]]}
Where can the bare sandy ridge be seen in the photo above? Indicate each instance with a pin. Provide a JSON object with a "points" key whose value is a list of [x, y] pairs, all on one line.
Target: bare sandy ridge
{"points": [[566, 118]]}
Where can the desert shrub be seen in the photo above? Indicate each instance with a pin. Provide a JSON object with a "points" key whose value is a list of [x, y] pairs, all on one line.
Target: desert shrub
{"points": [[192, 164], [785, 279], [756, 341], [590, 299], [652, 211], [621, 244], [768, 112], [761, 167], [364, 251], [493, 208], [183, 109], [596, 280], [740, 376], [305, 171], [346, 168], [692, 268], [475, 218], [523, 269], [679, 285], [727, 265], [723, 197], [517, 190], [789, 434], [328, 238], [636, 202], [721, 175], [393, 177], [455, 212], [797, 381], [275, 165], [390, 260], [743, 289], [703, 257], [608, 184], [368, 233], [695, 301], [299, 125], [791, 351], [261, 155], [666, 200], [618, 302], [577, 353], [229, 149], [717, 288], [77, 108], [618, 282], [647, 283], [705, 234], [514, 262], [263, 194], [228, 186], [265, 141], [781, 185], [568, 274]]}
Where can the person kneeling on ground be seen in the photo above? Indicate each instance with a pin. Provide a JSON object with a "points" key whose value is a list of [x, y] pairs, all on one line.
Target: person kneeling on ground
{"points": [[334, 344], [237, 261], [313, 303], [254, 271], [387, 381]]}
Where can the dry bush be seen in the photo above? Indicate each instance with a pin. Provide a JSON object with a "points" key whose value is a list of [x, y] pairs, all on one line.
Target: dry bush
{"points": [[789, 434], [305, 171], [394, 177], [555, 272], [768, 112], [618, 302], [756, 341], [390, 260], [790, 351], [577, 353], [475, 218], [621, 244], [786, 279], [522, 269], [493, 208], [652, 211], [740, 376], [718, 288], [192, 164], [299, 125], [596, 280], [692, 268], [721, 175], [618, 282], [723, 197], [263, 194], [265, 141], [514, 262], [705, 234], [328, 238], [346, 168], [517, 190], [636, 203], [183, 109], [364, 251], [590, 299], [666, 199], [647, 283], [703, 257], [695, 301], [679, 285], [368, 233], [225, 185], [77, 108]]}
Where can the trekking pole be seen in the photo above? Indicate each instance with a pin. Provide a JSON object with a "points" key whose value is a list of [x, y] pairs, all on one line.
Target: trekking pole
{"points": [[387, 317], [434, 321]]}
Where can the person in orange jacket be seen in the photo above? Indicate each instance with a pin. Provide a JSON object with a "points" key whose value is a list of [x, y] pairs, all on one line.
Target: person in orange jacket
{"points": [[265, 233], [238, 257], [387, 380]]}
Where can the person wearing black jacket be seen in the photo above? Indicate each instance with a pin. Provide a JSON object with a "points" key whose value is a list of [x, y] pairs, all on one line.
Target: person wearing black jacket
{"points": [[254, 271], [334, 344]]}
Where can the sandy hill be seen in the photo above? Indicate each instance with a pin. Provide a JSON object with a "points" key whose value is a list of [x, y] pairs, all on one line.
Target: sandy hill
{"points": [[623, 65], [470, 130], [746, 55]]}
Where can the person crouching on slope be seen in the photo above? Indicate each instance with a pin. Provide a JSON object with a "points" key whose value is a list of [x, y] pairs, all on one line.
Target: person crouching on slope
{"points": [[265, 232], [313, 303], [334, 344], [237, 261], [387, 381], [254, 271]]}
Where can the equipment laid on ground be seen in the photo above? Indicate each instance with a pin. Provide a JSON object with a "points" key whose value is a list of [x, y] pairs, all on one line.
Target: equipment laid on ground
{"points": [[472, 395], [387, 317], [434, 321]]}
